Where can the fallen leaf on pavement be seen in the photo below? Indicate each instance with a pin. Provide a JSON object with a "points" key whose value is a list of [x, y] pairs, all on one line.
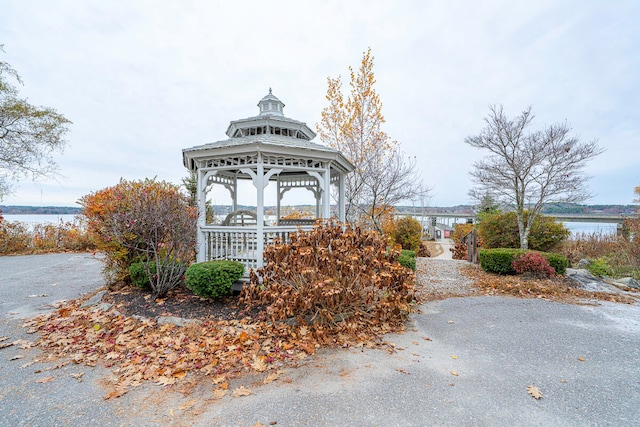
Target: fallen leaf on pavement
{"points": [[188, 405], [241, 391], [77, 376], [404, 371], [115, 393], [535, 392], [219, 393], [45, 380], [271, 378], [581, 359], [16, 357], [451, 322], [454, 373], [454, 357]]}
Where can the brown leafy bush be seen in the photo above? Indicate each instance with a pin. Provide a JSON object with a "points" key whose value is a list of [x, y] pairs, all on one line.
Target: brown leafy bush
{"points": [[335, 281], [148, 221], [424, 250]]}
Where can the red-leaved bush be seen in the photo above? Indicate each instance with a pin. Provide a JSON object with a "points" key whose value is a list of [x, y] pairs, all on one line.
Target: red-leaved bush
{"points": [[533, 262]]}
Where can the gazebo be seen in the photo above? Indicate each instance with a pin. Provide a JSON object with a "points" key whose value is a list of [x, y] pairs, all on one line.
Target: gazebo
{"points": [[265, 149]]}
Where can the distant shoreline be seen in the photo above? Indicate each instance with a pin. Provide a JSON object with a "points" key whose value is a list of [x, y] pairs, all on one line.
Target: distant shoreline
{"points": [[550, 209], [40, 210]]}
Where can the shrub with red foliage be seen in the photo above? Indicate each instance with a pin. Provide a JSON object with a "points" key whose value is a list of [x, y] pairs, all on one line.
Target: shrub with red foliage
{"points": [[534, 263]]}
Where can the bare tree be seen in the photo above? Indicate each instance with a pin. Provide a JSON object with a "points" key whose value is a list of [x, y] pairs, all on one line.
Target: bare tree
{"points": [[526, 169]]}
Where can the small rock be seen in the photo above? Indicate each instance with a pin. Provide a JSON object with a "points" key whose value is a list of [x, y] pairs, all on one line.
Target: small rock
{"points": [[171, 320], [583, 264], [104, 306], [94, 300]]}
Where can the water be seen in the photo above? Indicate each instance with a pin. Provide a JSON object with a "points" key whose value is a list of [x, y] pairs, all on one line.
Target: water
{"points": [[32, 220], [590, 227]]}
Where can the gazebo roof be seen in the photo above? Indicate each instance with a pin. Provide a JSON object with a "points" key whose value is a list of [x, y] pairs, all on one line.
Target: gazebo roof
{"points": [[269, 132]]}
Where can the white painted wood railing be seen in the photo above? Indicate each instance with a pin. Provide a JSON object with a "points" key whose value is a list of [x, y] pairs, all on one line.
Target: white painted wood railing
{"points": [[240, 243]]}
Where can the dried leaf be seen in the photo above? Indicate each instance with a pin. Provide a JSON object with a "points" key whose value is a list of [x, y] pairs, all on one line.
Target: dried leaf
{"points": [[535, 392], [77, 376], [404, 371], [241, 391], [454, 373], [454, 357], [271, 378], [16, 357], [165, 381], [581, 359], [117, 392], [188, 405], [219, 393], [45, 380], [259, 364]]}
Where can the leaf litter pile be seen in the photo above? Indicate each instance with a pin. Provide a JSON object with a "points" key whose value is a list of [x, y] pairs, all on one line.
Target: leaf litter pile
{"points": [[557, 288], [143, 350]]}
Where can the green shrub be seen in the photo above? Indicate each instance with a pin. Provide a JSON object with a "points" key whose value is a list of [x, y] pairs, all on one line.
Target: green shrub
{"points": [[213, 279], [558, 262], [500, 230], [408, 233], [500, 260], [139, 277], [408, 259], [600, 267]]}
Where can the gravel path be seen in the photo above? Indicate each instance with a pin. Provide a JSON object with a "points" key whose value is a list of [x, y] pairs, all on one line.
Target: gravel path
{"points": [[442, 277]]}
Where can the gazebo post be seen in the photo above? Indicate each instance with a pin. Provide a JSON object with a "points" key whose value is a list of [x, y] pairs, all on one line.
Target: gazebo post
{"points": [[259, 184], [326, 194], [235, 194], [201, 190], [341, 198], [279, 199]]}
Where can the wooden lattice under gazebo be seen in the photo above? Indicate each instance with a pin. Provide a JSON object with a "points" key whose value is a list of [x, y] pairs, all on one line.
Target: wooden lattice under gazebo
{"points": [[267, 148]]}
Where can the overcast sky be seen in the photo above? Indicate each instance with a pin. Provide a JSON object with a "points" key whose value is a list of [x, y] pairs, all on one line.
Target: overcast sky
{"points": [[141, 80]]}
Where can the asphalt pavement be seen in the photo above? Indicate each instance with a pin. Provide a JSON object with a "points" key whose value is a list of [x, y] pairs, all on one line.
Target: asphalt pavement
{"points": [[462, 361]]}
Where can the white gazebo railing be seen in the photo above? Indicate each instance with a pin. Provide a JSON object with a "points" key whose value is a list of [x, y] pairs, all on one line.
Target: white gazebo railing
{"points": [[241, 243]]}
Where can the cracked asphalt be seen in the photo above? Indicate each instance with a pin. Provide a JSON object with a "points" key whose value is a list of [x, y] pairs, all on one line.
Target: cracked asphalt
{"points": [[584, 359]]}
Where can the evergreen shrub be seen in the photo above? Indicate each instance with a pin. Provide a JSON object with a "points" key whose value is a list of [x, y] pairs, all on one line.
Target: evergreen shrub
{"points": [[213, 279], [407, 259], [139, 277], [500, 260]]}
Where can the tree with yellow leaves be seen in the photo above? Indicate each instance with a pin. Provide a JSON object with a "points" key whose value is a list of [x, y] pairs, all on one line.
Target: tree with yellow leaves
{"points": [[383, 176]]}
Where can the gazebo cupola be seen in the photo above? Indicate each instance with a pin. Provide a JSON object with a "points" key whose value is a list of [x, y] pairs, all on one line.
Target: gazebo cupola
{"points": [[269, 148], [271, 105]]}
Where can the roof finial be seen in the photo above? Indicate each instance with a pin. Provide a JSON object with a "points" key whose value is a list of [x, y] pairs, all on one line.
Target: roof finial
{"points": [[269, 91]]}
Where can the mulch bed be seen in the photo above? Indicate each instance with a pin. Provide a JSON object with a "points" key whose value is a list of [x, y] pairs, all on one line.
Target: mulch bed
{"points": [[179, 302]]}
